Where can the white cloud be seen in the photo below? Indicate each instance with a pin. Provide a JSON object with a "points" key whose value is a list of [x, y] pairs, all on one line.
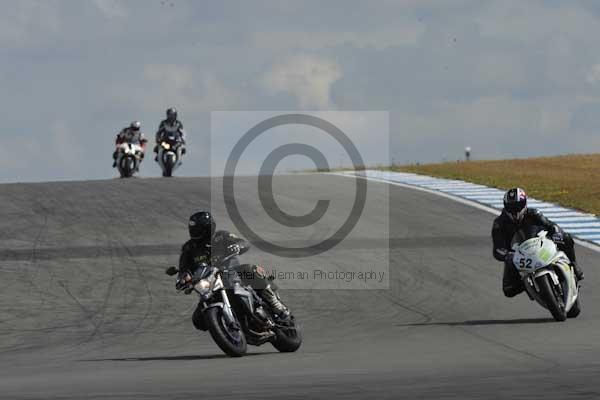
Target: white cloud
{"points": [[65, 150], [59, 154], [449, 72], [9, 159], [172, 78], [593, 76], [531, 22], [491, 113], [501, 69], [495, 126], [27, 22], [402, 33], [111, 8], [309, 78], [183, 86]]}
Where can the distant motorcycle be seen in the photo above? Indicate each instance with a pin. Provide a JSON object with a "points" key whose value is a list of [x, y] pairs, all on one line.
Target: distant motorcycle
{"points": [[169, 154], [129, 158], [547, 273], [236, 317]]}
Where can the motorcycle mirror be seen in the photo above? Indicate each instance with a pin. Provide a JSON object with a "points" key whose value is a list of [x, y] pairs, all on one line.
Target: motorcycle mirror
{"points": [[171, 271]]}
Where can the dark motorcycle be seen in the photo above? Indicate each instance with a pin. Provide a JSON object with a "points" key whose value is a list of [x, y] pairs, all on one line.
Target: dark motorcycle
{"points": [[169, 155], [236, 317]]}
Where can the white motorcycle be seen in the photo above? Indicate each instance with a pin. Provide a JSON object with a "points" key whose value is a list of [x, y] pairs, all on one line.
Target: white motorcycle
{"points": [[129, 158], [169, 154], [547, 273]]}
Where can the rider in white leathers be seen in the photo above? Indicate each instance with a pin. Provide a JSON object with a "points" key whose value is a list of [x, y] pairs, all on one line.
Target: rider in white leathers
{"points": [[131, 134]]}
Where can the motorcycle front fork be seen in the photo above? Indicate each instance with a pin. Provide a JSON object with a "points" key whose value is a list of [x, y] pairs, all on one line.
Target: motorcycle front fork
{"points": [[228, 311]]}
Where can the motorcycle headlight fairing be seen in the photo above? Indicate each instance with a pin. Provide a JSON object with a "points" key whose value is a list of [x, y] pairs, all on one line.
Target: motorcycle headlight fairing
{"points": [[203, 287]]}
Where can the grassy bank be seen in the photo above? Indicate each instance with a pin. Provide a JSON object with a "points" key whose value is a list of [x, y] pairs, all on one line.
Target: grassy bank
{"points": [[572, 181]]}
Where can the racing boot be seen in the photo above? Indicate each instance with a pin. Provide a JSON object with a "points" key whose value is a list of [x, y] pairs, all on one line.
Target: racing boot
{"points": [[569, 249], [578, 271], [115, 159], [271, 297]]}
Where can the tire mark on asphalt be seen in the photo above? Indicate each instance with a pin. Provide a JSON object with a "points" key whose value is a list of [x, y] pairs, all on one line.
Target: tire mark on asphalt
{"points": [[141, 250], [89, 315], [526, 353]]}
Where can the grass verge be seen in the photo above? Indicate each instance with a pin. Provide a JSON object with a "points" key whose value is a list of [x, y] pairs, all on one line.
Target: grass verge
{"points": [[571, 181]]}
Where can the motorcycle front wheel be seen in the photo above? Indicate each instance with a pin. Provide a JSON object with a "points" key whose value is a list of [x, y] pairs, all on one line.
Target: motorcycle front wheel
{"points": [[552, 298], [127, 167], [229, 339], [169, 163]]}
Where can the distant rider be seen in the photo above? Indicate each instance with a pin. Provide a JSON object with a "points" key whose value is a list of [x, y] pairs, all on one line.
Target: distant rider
{"points": [[170, 126], [209, 246], [515, 216], [133, 135]]}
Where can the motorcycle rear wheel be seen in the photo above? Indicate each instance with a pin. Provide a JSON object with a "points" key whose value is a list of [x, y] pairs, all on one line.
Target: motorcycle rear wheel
{"points": [[231, 341], [553, 300]]}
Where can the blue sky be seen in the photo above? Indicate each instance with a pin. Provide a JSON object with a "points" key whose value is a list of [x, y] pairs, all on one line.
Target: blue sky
{"points": [[508, 78]]}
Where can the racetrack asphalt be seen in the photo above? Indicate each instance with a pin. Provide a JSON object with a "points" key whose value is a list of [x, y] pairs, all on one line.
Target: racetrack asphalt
{"points": [[88, 313]]}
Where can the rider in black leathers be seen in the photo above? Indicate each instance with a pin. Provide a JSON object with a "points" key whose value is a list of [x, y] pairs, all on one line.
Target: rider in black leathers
{"points": [[210, 247], [515, 216], [170, 126]]}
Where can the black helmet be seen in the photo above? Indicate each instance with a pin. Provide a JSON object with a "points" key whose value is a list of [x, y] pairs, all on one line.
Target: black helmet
{"points": [[135, 126], [201, 226], [171, 114], [515, 204]]}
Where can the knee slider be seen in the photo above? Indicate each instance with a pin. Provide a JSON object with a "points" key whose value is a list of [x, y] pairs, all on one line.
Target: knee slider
{"points": [[511, 291]]}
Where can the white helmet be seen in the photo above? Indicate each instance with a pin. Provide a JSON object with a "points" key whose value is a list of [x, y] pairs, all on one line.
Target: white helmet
{"points": [[135, 126]]}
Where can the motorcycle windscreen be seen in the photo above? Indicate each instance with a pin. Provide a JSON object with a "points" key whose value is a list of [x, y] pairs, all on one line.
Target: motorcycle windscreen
{"points": [[525, 233], [203, 271]]}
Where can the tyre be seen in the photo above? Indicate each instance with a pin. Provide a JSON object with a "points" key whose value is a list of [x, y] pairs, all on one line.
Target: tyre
{"points": [[169, 163], [198, 319], [552, 298], [168, 172], [575, 310], [232, 341], [289, 339], [127, 165]]}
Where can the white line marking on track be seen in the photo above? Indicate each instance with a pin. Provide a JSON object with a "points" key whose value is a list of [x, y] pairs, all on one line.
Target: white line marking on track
{"points": [[492, 208], [583, 230], [567, 214], [573, 219]]}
